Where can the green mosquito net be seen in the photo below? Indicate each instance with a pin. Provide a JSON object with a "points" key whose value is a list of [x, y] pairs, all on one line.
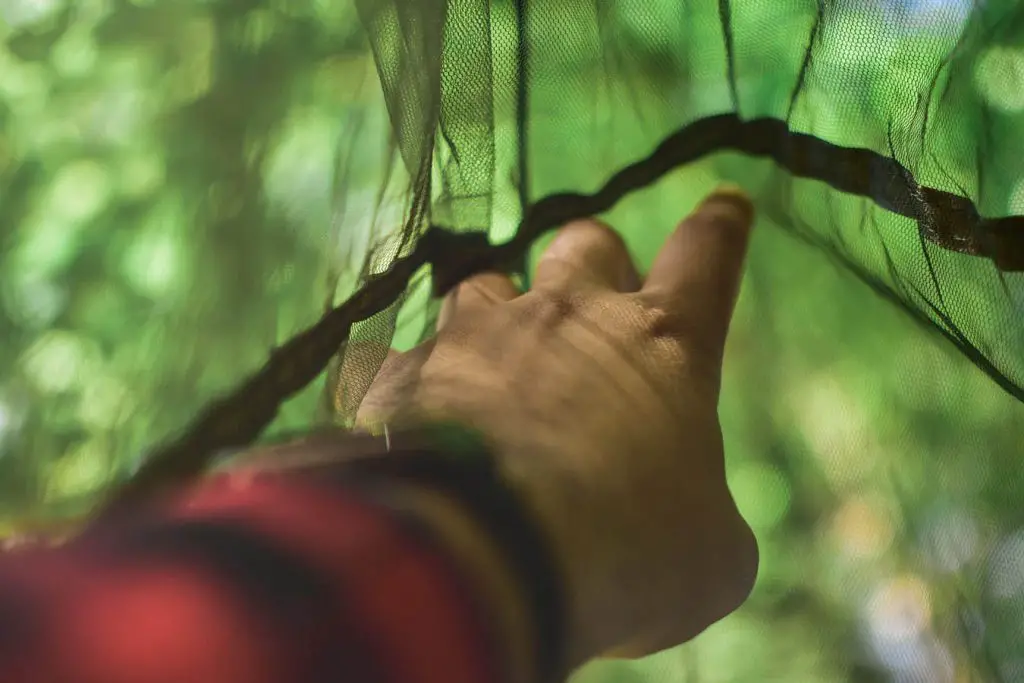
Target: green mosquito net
{"points": [[189, 189]]}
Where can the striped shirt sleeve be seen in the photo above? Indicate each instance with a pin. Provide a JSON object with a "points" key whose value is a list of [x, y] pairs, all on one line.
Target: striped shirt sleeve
{"points": [[261, 579]]}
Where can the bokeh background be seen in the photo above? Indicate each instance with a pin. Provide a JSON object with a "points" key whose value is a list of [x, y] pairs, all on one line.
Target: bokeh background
{"points": [[183, 185]]}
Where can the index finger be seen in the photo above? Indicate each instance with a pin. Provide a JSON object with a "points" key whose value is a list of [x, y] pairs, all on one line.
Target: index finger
{"points": [[696, 275]]}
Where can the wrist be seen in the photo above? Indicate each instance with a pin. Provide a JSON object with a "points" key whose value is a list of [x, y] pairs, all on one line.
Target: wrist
{"points": [[457, 463], [531, 464], [578, 553], [570, 505], [498, 594]]}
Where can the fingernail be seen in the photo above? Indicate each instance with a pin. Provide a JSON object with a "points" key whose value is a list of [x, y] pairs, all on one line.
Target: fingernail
{"points": [[738, 203]]}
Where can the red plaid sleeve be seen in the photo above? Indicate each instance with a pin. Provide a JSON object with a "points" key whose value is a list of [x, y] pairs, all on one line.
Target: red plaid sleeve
{"points": [[264, 580]]}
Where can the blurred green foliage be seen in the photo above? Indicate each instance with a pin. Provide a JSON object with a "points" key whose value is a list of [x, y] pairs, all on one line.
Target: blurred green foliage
{"points": [[168, 216], [185, 184]]}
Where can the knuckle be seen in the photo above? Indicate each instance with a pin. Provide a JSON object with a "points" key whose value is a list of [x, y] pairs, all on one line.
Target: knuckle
{"points": [[684, 348], [681, 326], [549, 309], [664, 325], [669, 323]]}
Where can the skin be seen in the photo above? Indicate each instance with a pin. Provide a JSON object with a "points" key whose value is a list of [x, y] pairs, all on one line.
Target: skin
{"points": [[598, 391]]}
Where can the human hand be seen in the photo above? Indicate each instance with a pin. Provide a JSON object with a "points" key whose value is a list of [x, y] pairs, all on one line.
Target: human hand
{"points": [[598, 393]]}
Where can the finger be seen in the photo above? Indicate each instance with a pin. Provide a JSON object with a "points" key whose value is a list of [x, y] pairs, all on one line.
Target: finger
{"points": [[696, 275], [587, 253], [476, 293]]}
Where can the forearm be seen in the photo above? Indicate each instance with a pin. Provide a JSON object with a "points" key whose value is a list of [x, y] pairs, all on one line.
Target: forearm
{"points": [[264, 579]]}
